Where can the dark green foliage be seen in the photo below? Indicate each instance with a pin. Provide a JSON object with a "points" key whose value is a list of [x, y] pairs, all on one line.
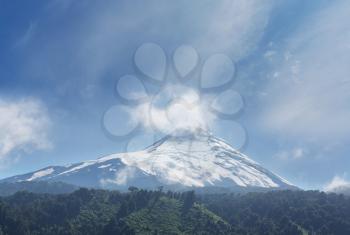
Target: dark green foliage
{"points": [[106, 212], [283, 212], [156, 212]]}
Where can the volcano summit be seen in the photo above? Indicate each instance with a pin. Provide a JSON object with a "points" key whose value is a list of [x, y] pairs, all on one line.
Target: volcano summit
{"points": [[197, 161]]}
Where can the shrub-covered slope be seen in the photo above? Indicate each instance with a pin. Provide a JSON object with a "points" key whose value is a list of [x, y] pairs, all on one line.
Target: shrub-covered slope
{"points": [[106, 212], [155, 212]]}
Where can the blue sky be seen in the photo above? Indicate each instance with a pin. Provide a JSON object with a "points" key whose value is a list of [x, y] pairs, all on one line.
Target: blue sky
{"points": [[60, 60]]}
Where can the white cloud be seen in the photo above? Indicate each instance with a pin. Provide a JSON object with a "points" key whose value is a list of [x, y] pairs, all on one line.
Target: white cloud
{"points": [[122, 177], [176, 108], [298, 153], [24, 127], [294, 153], [232, 27], [338, 185], [311, 95], [236, 26], [105, 35]]}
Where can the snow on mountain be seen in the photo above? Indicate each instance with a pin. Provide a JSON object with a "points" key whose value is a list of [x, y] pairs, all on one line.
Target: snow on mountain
{"points": [[40, 174], [196, 160]]}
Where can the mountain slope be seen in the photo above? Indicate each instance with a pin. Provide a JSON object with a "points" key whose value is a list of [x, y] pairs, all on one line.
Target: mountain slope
{"points": [[108, 212], [7, 188], [198, 160], [167, 216], [85, 212]]}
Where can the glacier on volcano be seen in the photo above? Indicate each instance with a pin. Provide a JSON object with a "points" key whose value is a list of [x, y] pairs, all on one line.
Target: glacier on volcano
{"points": [[196, 160]]}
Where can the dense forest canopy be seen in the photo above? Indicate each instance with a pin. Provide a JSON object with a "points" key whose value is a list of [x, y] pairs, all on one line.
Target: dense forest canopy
{"points": [[156, 212]]}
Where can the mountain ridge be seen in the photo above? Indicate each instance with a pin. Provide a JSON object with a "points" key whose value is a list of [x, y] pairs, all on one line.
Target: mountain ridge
{"points": [[181, 161]]}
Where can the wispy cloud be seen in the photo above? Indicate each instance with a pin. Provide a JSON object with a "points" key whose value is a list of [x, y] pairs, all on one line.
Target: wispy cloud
{"points": [[292, 154], [308, 96], [338, 185], [235, 26], [24, 126], [102, 37], [121, 177], [27, 35]]}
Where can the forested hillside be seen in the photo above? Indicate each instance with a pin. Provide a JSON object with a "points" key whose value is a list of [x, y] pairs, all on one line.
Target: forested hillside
{"points": [[283, 212], [155, 212]]}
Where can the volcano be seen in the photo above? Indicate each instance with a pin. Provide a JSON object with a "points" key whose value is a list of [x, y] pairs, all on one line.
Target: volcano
{"points": [[198, 161]]}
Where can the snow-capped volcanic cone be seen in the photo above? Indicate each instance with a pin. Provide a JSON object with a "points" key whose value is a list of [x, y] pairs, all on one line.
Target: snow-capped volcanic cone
{"points": [[198, 160]]}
